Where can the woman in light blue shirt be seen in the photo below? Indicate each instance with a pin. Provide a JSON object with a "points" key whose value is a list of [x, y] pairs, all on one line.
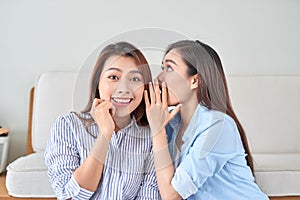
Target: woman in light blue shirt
{"points": [[208, 156], [105, 152]]}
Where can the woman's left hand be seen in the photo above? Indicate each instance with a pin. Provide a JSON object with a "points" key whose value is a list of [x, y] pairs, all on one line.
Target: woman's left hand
{"points": [[157, 108]]}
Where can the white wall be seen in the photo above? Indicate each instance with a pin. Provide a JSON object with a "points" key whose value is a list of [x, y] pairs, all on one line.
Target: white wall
{"points": [[256, 37]]}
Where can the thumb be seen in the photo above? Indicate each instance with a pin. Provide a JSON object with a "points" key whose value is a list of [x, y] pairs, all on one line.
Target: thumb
{"points": [[174, 112]]}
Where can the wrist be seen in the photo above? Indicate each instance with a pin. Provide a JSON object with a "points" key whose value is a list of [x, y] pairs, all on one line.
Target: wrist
{"points": [[106, 134], [162, 158], [160, 140], [100, 148]]}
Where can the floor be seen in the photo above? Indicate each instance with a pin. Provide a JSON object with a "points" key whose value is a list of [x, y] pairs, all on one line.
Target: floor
{"points": [[4, 195]]}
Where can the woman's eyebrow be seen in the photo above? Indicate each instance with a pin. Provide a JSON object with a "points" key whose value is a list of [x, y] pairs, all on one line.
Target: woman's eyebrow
{"points": [[120, 70], [136, 72], [114, 68], [171, 61]]}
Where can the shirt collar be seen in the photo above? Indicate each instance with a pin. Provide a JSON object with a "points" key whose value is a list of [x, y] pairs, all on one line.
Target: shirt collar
{"points": [[194, 124], [130, 129]]}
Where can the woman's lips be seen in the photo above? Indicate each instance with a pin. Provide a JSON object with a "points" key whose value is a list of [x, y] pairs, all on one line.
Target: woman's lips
{"points": [[121, 101]]}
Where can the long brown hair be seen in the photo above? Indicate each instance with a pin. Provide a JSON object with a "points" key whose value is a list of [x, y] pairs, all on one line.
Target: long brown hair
{"points": [[213, 93], [126, 50]]}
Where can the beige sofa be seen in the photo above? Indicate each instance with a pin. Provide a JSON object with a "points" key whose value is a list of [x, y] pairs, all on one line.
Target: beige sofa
{"points": [[268, 107]]}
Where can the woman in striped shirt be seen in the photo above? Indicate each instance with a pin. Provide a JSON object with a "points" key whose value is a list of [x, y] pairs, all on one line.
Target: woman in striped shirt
{"points": [[105, 152]]}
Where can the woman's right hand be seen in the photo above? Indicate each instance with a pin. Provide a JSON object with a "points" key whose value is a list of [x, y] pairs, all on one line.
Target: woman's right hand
{"points": [[157, 107], [102, 111]]}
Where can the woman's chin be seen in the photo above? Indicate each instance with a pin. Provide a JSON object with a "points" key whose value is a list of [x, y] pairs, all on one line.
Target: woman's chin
{"points": [[121, 114], [173, 103]]}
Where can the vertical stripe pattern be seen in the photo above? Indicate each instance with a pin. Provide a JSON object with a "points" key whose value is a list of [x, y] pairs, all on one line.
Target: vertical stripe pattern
{"points": [[128, 172]]}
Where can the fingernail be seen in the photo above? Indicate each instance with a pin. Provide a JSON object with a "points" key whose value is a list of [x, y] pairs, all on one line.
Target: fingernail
{"points": [[163, 84]]}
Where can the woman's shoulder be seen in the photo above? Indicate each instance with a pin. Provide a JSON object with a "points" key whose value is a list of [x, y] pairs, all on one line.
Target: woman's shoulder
{"points": [[71, 125], [71, 116], [213, 116], [70, 120]]}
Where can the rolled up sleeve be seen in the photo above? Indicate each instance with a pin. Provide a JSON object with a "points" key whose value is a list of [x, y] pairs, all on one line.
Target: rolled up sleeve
{"points": [[73, 190], [183, 183]]}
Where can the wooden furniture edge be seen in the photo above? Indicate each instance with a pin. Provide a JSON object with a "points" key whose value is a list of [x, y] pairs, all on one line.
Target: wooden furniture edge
{"points": [[29, 148]]}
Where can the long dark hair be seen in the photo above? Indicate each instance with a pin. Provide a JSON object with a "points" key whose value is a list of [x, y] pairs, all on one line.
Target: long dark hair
{"points": [[126, 50], [213, 93]]}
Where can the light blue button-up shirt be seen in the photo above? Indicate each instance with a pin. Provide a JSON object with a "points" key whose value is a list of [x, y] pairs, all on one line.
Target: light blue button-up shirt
{"points": [[211, 164]]}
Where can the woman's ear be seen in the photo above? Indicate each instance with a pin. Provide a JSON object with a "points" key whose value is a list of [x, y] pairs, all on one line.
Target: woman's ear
{"points": [[194, 81]]}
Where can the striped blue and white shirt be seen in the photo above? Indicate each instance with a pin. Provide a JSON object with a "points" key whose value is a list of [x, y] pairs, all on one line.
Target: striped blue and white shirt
{"points": [[128, 171]]}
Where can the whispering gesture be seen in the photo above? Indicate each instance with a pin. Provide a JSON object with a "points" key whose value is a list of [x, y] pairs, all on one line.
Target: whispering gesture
{"points": [[157, 107]]}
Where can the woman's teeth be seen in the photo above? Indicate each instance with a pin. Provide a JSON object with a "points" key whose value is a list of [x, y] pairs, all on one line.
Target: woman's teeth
{"points": [[118, 100]]}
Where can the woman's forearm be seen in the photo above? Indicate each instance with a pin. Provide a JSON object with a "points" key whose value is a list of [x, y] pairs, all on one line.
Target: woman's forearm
{"points": [[89, 173], [164, 166]]}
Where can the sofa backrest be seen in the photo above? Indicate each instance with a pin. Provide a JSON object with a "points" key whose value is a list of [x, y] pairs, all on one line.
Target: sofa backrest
{"points": [[53, 97], [268, 107]]}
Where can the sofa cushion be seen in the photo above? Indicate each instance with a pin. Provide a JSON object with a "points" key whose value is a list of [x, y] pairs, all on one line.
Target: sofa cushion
{"points": [[27, 177], [278, 174], [279, 183], [277, 162]]}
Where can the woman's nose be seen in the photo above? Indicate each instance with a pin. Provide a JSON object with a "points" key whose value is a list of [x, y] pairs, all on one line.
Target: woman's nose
{"points": [[123, 87], [161, 77]]}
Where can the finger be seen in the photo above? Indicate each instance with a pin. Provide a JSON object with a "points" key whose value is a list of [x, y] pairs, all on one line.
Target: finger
{"points": [[107, 105], [103, 106], [157, 92], [113, 110], [96, 101], [152, 94], [146, 98], [164, 95], [174, 112]]}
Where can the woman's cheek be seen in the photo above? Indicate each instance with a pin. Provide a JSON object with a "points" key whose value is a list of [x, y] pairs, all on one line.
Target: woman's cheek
{"points": [[106, 91], [178, 89], [139, 93]]}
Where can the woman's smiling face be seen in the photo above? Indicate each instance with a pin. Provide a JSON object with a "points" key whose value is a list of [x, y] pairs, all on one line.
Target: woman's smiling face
{"points": [[122, 83]]}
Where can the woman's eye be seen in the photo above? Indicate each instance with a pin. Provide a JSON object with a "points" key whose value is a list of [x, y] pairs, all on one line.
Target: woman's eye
{"points": [[167, 68], [113, 77], [136, 79]]}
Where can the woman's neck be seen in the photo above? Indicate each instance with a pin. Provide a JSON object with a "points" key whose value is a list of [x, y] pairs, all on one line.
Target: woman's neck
{"points": [[187, 110], [122, 122]]}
